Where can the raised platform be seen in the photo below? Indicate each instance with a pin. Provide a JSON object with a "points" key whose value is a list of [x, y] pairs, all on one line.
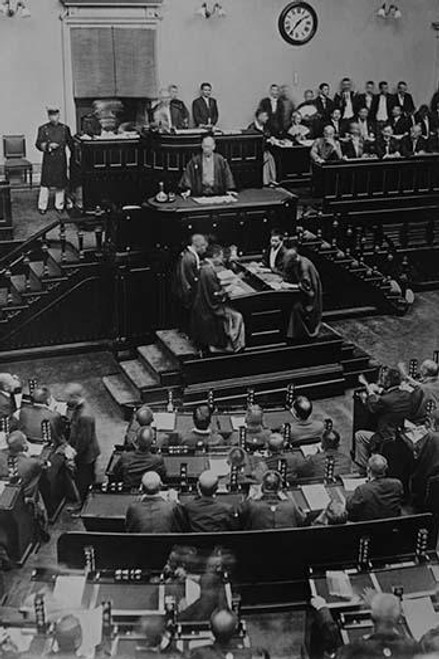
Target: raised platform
{"points": [[320, 368]]}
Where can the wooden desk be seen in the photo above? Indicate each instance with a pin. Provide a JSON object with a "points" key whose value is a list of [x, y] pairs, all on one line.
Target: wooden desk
{"points": [[6, 231], [371, 184], [293, 163], [246, 223], [126, 171], [17, 526], [264, 305]]}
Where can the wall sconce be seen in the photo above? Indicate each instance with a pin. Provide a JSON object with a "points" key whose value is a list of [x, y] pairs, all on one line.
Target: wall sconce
{"points": [[7, 9], [391, 11], [216, 10]]}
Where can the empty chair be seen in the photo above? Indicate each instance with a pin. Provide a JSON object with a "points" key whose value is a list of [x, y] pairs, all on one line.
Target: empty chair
{"points": [[14, 151]]}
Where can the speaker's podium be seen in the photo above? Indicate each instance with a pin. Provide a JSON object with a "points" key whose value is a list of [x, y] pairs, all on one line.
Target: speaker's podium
{"points": [[17, 527]]}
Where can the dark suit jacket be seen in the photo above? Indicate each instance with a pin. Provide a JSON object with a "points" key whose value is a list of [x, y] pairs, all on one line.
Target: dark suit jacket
{"points": [[209, 514], [270, 512], [340, 102], [362, 101], [7, 404], [275, 119], [279, 260], [343, 127], [201, 113], [324, 110], [407, 106], [83, 435], [409, 148], [179, 113], [315, 465], [133, 464], [186, 277], [192, 439], [380, 644], [391, 408], [348, 150], [375, 105], [401, 126], [376, 500], [309, 431], [380, 147], [153, 515], [29, 471], [32, 416]]}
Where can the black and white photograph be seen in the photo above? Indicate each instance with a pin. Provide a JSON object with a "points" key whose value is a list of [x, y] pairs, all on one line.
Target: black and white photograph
{"points": [[219, 329]]}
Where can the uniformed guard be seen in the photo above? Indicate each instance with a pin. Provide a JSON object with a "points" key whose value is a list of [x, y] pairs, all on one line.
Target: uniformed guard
{"points": [[53, 138]]}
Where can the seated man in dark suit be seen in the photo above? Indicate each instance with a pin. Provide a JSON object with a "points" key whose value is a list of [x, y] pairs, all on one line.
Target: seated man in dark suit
{"points": [[379, 498], [403, 99], [8, 386], [327, 147], [202, 434], [276, 453], [427, 461], [205, 108], [386, 145], [414, 144], [305, 429], [32, 416], [391, 406], [272, 509], [400, 124], [273, 257], [133, 464], [208, 173], [315, 465], [142, 418], [153, 513], [205, 513], [353, 145]]}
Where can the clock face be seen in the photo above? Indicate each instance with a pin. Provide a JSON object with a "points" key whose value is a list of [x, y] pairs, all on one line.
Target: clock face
{"points": [[298, 23]]}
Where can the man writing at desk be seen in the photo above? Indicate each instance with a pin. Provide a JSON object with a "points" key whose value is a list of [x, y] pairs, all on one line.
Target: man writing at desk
{"points": [[207, 174]]}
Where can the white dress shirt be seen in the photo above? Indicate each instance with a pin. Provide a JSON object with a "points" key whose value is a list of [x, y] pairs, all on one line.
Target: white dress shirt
{"points": [[348, 109], [273, 102], [382, 114], [273, 255]]}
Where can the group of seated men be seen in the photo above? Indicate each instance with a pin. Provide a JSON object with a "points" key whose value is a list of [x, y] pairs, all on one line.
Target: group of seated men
{"points": [[207, 315], [74, 448]]}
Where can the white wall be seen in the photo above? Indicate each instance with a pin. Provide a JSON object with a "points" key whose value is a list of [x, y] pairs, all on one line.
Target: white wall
{"points": [[241, 54]]}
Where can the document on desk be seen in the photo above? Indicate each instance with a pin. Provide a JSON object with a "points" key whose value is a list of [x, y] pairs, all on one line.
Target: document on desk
{"points": [[339, 584], [309, 449], [3, 443], [219, 466], [35, 449], [420, 616], [69, 590], [316, 496], [351, 484], [164, 421], [237, 422], [221, 199], [91, 624]]}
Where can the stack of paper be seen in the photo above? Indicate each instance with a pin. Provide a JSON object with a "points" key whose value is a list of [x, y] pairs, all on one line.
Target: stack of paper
{"points": [[420, 616], [351, 484], [316, 496], [69, 590], [339, 584], [35, 449], [219, 466], [164, 421], [309, 449], [237, 422]]}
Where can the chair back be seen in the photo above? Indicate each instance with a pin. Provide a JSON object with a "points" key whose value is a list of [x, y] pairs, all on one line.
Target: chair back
{"points": [[14, 146]]}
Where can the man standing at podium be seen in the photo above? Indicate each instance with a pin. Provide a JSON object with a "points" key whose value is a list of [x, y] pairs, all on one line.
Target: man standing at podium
{"points": [[214, 324], [207, 174], [205, 108]]}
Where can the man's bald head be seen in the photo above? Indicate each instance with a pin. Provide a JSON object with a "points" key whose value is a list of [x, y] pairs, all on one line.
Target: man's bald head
{"points": [[271, 481], [429, 368], [144, 416], [17, 442], [385, 609], [41, 396], [377, 466], [276, 442], [199, 243], [236, 457], [145, 439], [68, 634], [151, 482], [208, 483], [223, 624]]}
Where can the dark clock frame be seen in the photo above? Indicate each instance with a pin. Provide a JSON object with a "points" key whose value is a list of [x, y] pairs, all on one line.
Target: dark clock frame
{"points": [[283, 15]]}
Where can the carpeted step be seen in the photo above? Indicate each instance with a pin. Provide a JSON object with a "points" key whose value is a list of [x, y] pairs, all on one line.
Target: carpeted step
{"points": [[19, 282], [177, 343], [71, 253], [54, 270], [139, 375], [122, 392], [157, 359]]}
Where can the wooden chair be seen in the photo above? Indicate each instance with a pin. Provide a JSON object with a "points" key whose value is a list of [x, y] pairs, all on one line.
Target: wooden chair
{"points": [[14, 151]]}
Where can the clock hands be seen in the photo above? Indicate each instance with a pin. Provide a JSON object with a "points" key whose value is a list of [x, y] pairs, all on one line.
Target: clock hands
{"points": [[298, 23]]}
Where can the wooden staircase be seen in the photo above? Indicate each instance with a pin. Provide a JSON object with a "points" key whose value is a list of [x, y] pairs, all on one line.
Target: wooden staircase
{"points": [[321, 368]]}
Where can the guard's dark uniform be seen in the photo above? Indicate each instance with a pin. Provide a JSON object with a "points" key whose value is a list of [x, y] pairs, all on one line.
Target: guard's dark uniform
{"points": [[54, 169]]}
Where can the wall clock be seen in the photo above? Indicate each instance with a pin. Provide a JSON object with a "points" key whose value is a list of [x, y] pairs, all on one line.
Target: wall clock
{"points": [[298, 23]]}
